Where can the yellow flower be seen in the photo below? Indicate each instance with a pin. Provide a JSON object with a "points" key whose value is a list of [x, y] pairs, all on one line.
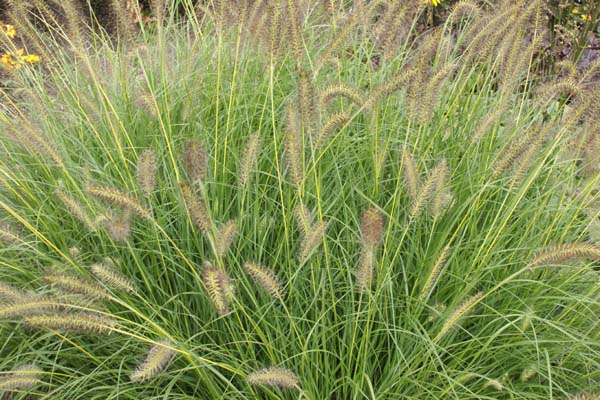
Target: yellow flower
{"points": [[9, 30], [15, 61], [8, 62], [31, 58], [435, 2]]}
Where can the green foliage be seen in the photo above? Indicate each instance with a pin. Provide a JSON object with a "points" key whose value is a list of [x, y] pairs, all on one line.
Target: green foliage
{"points": [[180, 217]]}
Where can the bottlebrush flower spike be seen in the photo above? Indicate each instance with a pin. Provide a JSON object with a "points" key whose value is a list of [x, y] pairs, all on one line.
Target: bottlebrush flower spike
{"points": [[218, 286], [156, 360], [565, 252], [266, 279], [120, 199], [110, 276], [194, 157], [273, 376], [371, 227], [84, 322], [147, 171], [251, 154], [21, 378]]}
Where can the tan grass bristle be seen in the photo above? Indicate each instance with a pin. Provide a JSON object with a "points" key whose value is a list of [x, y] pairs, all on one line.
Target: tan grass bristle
{"points": [[195, 160], [8, 292], [146, 170], [435, 273], [461, 311], [565, 252], [8, 234], [423, 195], [390, 86], [463, 8], [196, 208], [410, 174], [157, 360], [432, 92], [73, 284], [507, 157], [295, 30], [335, 46], [117, 224], [366, 268], [306, 99], [118, 198], [336, 90], [21, 378], [225, 236], [251, 154], [440, 188], [338, 119], [28, 305], [293, 150], [312, 240], [371, 227], [32, 140], [304, 219], [111, 277], [75, 208], [214, 283], [273, 376], [266, 279], [84, 322]]}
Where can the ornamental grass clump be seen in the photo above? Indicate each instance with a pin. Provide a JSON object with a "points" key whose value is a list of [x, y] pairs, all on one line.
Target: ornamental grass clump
{"points": [[298, 200]]}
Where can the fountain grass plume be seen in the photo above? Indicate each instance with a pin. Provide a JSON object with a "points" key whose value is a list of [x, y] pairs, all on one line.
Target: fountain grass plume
{"points": [[265, 279], [158, 358], [119, 198], [274, 376]]}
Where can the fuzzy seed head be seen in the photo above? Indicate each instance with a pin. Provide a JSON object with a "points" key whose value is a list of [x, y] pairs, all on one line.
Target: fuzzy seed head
{"points": [[461, 311], [273, 376], [304, 219], [266, 279], [218, 287], [293, 149], [75, 208], [80, 322], [28, 305], [565, 252], [435, 273], [251, 154], [120, 199], [312, 240], [21, 378], [410, 174], [118, 226], [336, 120], [111, 277], [147, 171], [196, 208], [366, 269], [157, 359], [371, 227], [75, 285], [8, 234], [440, 196], [8, 292], [195, 159], [336, 90], [225, 236], [306, 99]]}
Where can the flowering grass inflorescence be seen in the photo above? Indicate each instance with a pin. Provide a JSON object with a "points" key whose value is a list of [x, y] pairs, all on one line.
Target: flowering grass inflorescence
{"points": [[288, 200]]}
